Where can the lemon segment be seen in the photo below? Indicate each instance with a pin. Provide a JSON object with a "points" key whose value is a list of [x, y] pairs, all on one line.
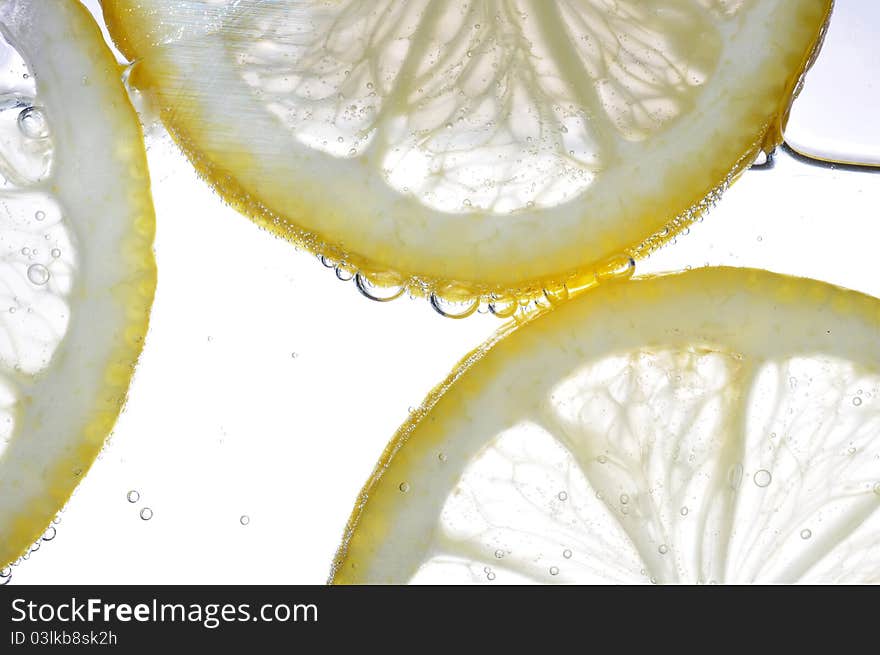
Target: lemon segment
{"points": [[76, 262], [478, 147], [714, 425]]}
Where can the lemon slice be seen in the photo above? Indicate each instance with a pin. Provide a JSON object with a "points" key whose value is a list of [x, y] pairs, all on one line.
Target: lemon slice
{"points": [[76, 262], [715, 425], [834, 119], [470, 148]]}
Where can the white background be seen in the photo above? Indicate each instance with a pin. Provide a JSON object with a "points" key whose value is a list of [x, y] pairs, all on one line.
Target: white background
{"points": [[268, 388]]}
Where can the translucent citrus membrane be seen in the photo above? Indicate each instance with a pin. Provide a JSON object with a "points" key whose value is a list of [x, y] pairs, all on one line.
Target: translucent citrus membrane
{"points": [[835, 118], [466, 152], [717, 425], [76, 269]]}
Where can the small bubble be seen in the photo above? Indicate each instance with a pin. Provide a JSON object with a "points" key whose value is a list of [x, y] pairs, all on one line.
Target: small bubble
{"points": [[442, 457], [38, 274], [562, 495], [806, 533], [146, 514], [245, 519], [763, 478], [490, 576], [404, 487], [56, 253], [851, 450], [49, 534], [663, 549], [32, 123], [554, 570], [467, 202], [294, 355], [624, 499], [340, 139], [683, 511], [499, 554], [132, 496], [40, 215], [25, 251], [566, 553], [856, 401], [602, 459]]}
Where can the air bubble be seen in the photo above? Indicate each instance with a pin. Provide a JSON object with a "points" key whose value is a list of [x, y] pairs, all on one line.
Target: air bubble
{"points": [[133, 496], [566, 553], [378, 291], [557, 294], [40, 215], [38, 274], [32, 123], [404, 487], [503, 307], [146, 514], [245, 519], [554, 570], [442, 457], [56, 253], [683, 511], [490, 576], [763, 478], [345, 272], [663, 549], [499, 554], [624, 499], [602, 459], [806, 533], [562, 495], [856, 401], [49, 534], [453, 309]]}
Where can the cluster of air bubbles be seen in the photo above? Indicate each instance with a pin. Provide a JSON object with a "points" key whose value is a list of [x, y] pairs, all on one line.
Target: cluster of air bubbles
{"points": [[134, 496], [490, 574]]}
